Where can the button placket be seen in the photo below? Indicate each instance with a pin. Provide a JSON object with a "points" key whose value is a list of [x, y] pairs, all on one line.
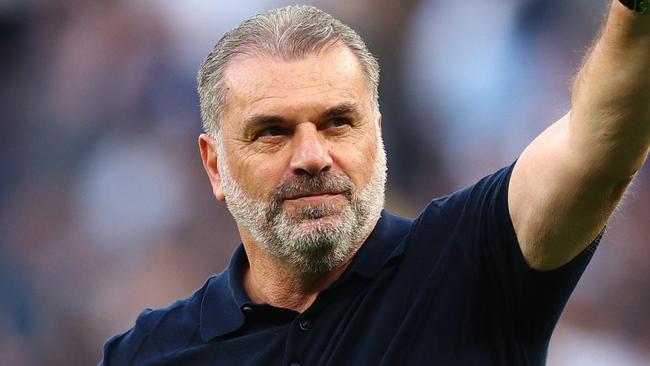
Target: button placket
{"points": [[298, 339]]}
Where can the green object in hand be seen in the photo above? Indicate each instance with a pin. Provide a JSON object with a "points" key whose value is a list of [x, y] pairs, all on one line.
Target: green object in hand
{"points": [[640, 6]]}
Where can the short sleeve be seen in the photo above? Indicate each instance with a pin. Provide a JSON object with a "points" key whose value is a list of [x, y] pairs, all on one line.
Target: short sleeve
{"points": [[525, 301]]}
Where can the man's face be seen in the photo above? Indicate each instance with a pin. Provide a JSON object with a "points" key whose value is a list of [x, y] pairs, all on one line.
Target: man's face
{"points": [[300, 161]]}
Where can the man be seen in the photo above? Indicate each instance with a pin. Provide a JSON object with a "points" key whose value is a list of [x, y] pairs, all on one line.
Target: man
{"points": [[324, 276]]}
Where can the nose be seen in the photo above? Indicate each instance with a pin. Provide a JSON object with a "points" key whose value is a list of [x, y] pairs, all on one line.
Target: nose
{"points": [[310, 153]]}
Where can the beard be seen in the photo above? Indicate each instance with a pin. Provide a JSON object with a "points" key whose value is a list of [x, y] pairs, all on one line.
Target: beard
{"points": [[313, 238]]}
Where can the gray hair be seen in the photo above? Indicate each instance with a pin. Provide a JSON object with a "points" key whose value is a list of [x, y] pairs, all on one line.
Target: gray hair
{"points": [[288, 33]]}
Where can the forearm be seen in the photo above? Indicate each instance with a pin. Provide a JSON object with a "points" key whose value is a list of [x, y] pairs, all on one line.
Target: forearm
{"points": [[609, 128], [569, 180]]}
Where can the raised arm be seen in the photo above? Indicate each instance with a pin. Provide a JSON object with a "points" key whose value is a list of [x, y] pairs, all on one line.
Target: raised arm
{"points": [[569, 180]]}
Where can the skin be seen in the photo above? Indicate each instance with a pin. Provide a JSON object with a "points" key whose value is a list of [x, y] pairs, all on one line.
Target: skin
{"points": [[570, 179], [276, 124]]}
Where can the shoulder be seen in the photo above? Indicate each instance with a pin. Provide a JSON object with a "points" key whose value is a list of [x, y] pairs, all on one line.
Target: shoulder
{"points": [[156, 331], [485, 197], [465, 221], [485, 191]]}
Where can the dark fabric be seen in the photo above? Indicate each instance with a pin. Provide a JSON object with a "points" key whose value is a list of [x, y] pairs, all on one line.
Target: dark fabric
{"points": [[448, 288]]}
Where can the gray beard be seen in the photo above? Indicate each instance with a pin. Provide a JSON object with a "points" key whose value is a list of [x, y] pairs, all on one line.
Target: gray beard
{"points": [[314, 239]]}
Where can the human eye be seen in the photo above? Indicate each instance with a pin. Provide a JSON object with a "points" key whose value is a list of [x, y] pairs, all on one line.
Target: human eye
{"points": [[338, 122], [272, 131]]}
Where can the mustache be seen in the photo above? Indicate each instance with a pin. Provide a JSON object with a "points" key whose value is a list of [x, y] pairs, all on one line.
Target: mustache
{"points": [[305, 185]]}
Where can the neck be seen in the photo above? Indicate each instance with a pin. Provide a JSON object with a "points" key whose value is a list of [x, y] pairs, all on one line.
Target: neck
{"points": [[268, 281]]}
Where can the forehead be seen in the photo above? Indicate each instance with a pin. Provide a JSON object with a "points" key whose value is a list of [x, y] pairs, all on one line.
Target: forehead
{"points": [[264, 84]]}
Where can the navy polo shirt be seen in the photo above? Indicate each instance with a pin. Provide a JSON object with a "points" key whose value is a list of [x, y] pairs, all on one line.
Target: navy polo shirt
{"points": [[448, 288]]}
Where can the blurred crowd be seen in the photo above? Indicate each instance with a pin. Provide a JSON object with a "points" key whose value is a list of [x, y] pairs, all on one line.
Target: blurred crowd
{"points": [[104, 206]]}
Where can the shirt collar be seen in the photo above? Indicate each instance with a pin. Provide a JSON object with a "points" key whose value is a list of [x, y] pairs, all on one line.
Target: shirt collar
{"points": [[385, 243], [224, 297]]}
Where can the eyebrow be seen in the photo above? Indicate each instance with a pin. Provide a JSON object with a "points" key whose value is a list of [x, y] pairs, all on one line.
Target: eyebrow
{"points": [[341, 109], [261, 120], [258, 120]]}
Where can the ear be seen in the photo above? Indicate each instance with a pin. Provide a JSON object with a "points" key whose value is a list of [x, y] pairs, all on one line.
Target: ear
{"points": [[208, 150]]}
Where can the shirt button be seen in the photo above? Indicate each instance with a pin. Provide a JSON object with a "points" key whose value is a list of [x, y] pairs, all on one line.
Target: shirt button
{"points": [[304, 325], [247, 309]]}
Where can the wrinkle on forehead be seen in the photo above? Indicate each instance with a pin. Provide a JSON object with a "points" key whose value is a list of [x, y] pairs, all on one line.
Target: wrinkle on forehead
{"points": [[263, 80]]}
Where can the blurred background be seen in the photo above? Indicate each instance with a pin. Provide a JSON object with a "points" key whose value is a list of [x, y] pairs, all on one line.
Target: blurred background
{"points": [[105, 208]]}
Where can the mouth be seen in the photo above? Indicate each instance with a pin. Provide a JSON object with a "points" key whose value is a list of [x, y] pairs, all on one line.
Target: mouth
{"points": [[315, 195], [313, 198]]}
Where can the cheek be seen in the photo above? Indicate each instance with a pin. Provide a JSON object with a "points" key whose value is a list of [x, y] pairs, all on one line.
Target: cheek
{"points": [[357, 161], [253, 173], [259, 178]]}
